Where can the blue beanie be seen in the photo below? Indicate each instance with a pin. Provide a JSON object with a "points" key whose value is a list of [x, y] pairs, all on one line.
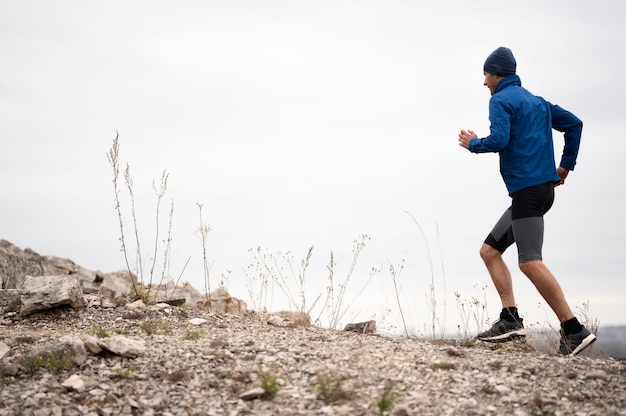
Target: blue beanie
{"points": [[501, 62]]}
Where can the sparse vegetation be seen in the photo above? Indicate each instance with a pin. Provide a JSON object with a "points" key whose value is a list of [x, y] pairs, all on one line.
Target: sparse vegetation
{"points": [[271, 271], [443, 365], [387, 400], [474, 309], [330, 389], [124, 373], [192, 335], [269, 382], [155, 326], [101, 332], [55, 362]]}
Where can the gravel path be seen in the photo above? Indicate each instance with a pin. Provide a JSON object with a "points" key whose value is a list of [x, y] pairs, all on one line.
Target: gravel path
{"points": [[198, 363]]}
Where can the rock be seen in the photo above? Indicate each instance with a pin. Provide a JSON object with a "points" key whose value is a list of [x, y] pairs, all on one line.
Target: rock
{"points": [[107, 297], [67, 347], [368, 327], [123, 346], [15, 264], [252, 394], [120, 282], [197, 321], [10, 370], [220, 301], [275, 320], [75, 347], [10, 300], [74, 382], [4, 350], [104, 290], [295, 318], [46, 292], [136, 305], [175, 298], [92, 345]]}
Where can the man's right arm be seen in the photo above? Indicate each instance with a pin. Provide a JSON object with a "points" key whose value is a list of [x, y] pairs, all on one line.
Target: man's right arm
{"points": [[571, 127]]}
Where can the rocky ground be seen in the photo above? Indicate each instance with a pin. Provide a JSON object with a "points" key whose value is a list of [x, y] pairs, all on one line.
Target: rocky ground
{"points": [[197, 363]]}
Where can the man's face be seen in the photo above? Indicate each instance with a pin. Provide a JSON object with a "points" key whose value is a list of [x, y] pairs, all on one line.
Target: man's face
{"points": [[492, 81]]}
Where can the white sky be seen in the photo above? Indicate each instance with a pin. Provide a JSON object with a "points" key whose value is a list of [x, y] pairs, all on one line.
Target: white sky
{"points": [[310, 123]]}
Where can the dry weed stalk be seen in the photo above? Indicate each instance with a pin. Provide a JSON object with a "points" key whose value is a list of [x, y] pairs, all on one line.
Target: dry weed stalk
{"points": [[334, 305], [113, 157], [203, 231], [433, 304], [395, 278]]}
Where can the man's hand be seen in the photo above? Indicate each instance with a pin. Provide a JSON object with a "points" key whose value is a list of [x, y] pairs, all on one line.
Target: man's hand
{"points": [[562, 172], [465, 137]]}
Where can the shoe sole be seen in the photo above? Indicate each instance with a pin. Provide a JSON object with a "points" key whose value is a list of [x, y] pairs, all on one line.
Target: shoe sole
{"points": [[509, 336], [587, 341]]}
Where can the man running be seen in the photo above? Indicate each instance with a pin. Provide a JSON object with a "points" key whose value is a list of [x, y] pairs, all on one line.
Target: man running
{"points": [[521, 133]]}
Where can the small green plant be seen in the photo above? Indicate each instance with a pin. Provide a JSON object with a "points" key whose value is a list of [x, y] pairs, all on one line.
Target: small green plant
{"points": [[182, 311], [443, 366], [329, 390], [124, 373], [193, 335], [100, 332], [269, 383], [144, 294], [56, 362], [154, 326], [387, 401]]}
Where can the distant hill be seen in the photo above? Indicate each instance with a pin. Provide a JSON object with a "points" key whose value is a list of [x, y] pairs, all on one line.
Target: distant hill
{"points": [[611, 342]]}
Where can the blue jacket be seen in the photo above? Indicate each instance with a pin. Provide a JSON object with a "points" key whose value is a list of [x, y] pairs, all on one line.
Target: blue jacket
{"points": [[521, 132]]}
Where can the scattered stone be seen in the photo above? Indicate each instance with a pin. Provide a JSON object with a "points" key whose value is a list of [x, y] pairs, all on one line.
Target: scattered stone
{"points": [[74, 348], [252, 394], [197, 321], [136, 305], [10, 370], [223, 370], [74, 382], [92, 345], [10, 300], [123, 346], [4, 350], [220, 301], [106, 297], [275, 320], [368, 327]]}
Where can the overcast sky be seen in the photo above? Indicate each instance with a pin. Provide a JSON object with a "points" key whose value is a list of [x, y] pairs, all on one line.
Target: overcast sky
{"points": [[299, 124]]}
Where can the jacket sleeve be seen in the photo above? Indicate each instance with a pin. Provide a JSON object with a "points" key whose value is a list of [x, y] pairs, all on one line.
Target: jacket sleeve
{"points": [[571, 127], [500, 129]]}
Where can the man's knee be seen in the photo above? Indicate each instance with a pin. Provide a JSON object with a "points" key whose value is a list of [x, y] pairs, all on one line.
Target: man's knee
{"points": [[529, 267], [488, 253]]}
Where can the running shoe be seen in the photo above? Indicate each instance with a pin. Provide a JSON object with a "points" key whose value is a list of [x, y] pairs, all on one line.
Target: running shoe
{"points": [[573, 344], [503, 330]]}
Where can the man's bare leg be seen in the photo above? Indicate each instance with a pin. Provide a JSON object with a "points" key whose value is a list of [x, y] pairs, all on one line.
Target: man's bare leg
{"points": [[548, 287], [500, 274]]}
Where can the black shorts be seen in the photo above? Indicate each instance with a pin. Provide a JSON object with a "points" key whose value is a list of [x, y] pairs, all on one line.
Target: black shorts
{"points": [[522, 222]]}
